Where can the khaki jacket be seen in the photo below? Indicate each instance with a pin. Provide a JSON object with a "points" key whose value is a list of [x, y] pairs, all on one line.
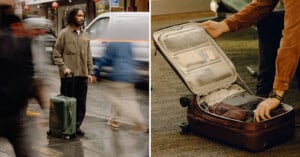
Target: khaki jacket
{"points": [[72, 50], [289, 50]]}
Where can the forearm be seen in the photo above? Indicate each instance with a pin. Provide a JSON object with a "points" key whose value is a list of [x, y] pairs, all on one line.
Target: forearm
{"points": [[58, 60], [286, 66], [250, 14]]}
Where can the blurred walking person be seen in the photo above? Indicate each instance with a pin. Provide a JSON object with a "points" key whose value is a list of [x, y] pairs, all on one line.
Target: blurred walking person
{"points": [[37, 28], [122, 94], [73, 56], [15, 82]]}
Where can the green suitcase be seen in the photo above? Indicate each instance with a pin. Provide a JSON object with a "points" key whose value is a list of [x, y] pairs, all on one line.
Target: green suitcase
{"points": [[62, 117]]}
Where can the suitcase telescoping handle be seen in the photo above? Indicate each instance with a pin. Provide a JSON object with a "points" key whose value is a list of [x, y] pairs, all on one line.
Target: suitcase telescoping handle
{"points": [[73, 84], [69, 88], [71, 74]]}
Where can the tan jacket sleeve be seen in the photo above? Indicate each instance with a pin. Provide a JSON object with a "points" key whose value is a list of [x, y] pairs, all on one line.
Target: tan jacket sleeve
{"points": [[286, 66], [250, 14], [89, 60], [289, 51], [58, 52]]}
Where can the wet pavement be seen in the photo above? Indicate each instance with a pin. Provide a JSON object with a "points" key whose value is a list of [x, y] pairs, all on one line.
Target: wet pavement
{"points": [[99, 141], [167, 114]]}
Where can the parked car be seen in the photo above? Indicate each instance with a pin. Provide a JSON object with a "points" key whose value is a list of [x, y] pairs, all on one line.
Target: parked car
{"points": [[122, 27]]}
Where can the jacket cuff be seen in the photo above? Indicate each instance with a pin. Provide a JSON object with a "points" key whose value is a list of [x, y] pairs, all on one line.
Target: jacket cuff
{"points": [[62, 68], [232, 25]]}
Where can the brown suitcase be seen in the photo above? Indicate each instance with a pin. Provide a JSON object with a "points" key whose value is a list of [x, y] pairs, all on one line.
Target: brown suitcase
{"points": [[211, 77]]}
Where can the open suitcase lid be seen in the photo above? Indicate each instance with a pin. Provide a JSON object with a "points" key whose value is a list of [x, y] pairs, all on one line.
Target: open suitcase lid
{"points": [[196, 57]]}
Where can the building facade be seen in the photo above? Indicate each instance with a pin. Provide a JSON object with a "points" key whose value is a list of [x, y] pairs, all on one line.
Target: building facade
{"points": [[56, 10]]}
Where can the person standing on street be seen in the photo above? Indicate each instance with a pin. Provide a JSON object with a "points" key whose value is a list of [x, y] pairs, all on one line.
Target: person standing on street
{"points": [[73, 57], [288, 52], [121, 81]]}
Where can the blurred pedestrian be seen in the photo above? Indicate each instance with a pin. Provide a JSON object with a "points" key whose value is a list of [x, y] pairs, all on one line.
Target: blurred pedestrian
{"points": [[37, 28], [15, 82], [288, 52], [73, 56], [122, 94]]}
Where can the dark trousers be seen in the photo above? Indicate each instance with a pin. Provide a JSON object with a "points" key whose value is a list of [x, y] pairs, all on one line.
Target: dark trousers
{"points": [[269, 33], [76, 87]]}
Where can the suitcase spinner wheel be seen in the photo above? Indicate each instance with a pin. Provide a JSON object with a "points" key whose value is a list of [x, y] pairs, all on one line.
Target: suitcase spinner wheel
{"points": [[185, 129], [184, 101]]}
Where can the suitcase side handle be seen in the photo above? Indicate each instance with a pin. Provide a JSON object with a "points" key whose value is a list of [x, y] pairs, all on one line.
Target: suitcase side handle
{"points": [[70, 117], [69, 75]]}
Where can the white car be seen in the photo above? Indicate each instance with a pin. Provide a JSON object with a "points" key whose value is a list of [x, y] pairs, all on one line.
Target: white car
{"points": [[122, 27]]}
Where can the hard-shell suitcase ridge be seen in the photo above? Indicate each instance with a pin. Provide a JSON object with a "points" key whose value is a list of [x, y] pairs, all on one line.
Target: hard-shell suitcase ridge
{"points": [[62, 118]]}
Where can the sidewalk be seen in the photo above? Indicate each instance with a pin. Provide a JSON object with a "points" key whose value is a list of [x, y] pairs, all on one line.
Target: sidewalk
{"points": [[99, 140]]}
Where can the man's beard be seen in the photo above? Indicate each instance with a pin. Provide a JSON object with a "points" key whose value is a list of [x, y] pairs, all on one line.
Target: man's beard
{"points": [[78, 24]]}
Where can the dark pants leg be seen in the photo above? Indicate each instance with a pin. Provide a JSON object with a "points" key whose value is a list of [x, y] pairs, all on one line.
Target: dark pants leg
{"points": [[269, 33], [79, 88]]}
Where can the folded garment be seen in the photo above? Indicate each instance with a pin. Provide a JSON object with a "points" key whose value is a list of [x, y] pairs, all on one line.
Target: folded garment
{"points": [[229, 111], [238, 113]]}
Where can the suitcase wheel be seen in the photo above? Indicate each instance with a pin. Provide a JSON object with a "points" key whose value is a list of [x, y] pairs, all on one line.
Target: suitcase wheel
{"points": [[185, 129], [184, 101], [67, 137]]}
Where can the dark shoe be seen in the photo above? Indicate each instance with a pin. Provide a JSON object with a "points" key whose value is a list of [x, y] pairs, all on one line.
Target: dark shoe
{"points": [[79, 132]]}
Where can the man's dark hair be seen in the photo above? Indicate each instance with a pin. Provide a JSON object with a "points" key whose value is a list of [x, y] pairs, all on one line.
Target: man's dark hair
{"points": [[71, 15]]}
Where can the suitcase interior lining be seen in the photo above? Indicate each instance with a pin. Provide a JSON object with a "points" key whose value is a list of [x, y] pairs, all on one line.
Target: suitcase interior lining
{"points": [[198, 60]]}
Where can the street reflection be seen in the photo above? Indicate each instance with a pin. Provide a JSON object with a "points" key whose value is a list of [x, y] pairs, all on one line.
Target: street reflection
{"points": [[123, 144]]}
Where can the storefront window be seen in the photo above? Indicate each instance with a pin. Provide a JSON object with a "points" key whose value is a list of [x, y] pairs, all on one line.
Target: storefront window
{"points": [[103, 6], [117, 5]]}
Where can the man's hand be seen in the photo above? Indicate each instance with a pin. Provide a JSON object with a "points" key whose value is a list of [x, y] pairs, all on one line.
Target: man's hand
{"points": [[90, 79], [95, 78], [67, 71], [215, 29], [263, 109]]}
